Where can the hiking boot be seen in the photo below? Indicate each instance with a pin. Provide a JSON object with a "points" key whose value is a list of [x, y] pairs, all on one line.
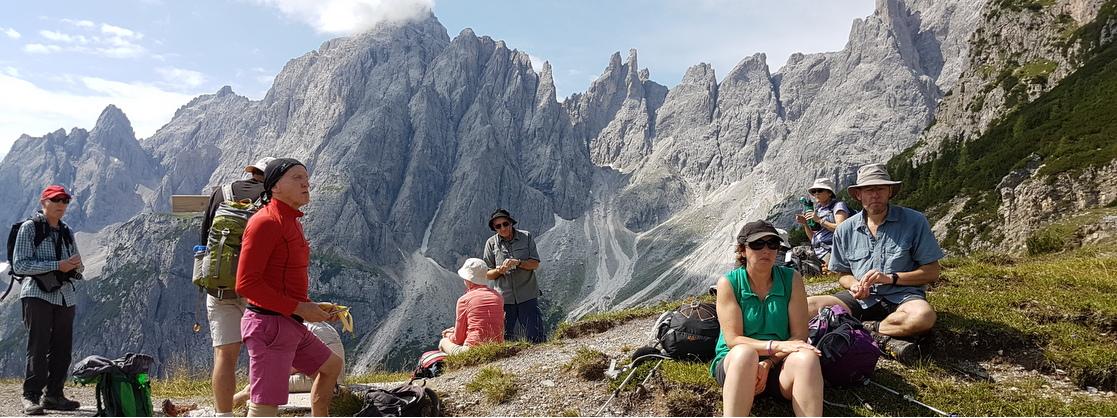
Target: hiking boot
{"points": [[905, 352], [60, 403], [30, 407]]}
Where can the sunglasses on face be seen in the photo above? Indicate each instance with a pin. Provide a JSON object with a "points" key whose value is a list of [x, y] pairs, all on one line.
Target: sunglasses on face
{"points": [[62, 200], [772, 244], [817, 191], [502, 225]]}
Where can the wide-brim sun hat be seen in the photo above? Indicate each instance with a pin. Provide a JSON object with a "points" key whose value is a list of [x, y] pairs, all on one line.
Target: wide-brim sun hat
{"points": [[822, 184], [473, 270], [874, 175]]}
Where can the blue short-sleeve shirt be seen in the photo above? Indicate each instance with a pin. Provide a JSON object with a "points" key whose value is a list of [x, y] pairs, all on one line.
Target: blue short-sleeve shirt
{"points": [[903, 243]]}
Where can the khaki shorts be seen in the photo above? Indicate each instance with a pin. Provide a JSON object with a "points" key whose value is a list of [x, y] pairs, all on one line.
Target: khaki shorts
{"points": [[224, 319]]}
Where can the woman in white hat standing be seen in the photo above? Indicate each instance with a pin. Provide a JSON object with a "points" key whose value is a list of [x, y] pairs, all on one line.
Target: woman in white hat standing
{"points": [[828, 214]]}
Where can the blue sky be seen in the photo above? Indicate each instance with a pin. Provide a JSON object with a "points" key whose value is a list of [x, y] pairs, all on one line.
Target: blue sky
{"points": [[62, 62]]}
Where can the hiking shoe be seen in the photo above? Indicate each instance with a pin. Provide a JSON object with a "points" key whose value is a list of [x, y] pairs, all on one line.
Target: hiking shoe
{"points": [[905, 352], [30, 407], [60, 403]]}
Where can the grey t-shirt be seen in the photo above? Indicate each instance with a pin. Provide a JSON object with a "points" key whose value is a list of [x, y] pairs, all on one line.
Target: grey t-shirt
{"points": [[518, 285]]}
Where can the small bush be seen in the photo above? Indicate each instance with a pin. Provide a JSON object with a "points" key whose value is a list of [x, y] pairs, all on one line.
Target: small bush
{"points": [[1043, 242], [496, 385], [588, 364], [346, 403]]}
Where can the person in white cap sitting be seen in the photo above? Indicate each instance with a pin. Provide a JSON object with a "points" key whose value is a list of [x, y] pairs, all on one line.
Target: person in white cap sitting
{"points": [[479, 315], [828, 213]]}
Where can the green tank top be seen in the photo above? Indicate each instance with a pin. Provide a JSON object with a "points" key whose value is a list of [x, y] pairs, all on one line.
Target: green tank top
{"points": [[763, 320]]}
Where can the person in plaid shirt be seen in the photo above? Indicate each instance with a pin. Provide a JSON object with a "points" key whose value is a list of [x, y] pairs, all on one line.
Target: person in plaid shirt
{"points": [[48, 314]]}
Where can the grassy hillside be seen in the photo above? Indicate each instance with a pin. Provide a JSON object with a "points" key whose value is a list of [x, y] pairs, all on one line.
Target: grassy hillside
{"points": [[1069, 128]]}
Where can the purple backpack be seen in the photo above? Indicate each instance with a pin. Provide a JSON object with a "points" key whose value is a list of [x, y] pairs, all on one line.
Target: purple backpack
{"points": [[849, 353]]}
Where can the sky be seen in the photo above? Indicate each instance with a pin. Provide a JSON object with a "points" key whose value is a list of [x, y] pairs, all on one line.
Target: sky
{"points": [[62, 62]]}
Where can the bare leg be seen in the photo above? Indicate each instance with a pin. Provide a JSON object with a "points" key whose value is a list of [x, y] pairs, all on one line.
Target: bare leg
{"points": [[740, 381], [814, 303], [224, 379], [323, 390], [801, 382], [911, 318]]}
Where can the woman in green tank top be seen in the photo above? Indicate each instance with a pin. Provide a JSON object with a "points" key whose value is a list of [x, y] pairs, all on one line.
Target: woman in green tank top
{"points": [[762, 310]]}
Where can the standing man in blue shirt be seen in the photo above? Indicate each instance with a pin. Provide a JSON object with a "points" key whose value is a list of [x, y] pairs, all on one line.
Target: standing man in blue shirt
{"points": [[47, 255], [886, 255]]}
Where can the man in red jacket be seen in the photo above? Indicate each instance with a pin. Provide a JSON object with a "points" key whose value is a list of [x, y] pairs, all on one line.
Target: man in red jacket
{"points": [[272, 276]]}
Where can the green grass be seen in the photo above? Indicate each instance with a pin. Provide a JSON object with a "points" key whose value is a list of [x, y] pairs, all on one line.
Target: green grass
{"points": [[1037, 70], [603, 321], [588, 364], [378, 377], [496, 385], [346, 403], [485, 353], [947, 391], [1053, 311], [1061, 235]]}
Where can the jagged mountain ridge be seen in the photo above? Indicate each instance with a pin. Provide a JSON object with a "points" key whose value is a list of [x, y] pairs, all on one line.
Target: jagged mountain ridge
{"points": [[413, 138]]}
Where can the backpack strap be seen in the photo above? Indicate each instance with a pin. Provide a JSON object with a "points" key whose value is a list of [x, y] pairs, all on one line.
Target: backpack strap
{"points": [[227, 192]]}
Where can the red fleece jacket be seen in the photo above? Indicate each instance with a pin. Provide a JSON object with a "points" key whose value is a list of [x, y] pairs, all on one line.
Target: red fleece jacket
{"points": [[274, 256]]}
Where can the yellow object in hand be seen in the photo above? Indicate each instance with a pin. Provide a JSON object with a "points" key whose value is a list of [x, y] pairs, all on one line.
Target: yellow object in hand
{"points": [[341, 313]]}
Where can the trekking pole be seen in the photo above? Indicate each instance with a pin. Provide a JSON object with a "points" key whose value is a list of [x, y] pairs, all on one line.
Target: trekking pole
{"points": [[629, 377], [912, 399]]}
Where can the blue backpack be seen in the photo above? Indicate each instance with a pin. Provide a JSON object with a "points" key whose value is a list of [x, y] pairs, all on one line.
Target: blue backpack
{"points": [[849, 352]]}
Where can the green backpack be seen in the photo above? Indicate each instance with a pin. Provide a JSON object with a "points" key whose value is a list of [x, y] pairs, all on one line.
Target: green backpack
{"points": [[219, 264], [121, 395]]}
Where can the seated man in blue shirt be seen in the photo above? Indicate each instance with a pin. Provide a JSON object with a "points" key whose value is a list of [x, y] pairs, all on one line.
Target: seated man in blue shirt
{"points": [[886, 254]]}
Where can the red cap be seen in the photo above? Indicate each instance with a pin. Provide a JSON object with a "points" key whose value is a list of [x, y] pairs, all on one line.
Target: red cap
{"points": [[53, 191]]}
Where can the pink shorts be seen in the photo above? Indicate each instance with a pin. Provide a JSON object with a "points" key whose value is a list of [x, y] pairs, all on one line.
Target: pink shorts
{"points": [[275, 345]]}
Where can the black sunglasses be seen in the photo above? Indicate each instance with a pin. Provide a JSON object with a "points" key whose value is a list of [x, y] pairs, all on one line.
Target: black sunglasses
{"points": [[501, 225], [62, 200], [772, 244]]}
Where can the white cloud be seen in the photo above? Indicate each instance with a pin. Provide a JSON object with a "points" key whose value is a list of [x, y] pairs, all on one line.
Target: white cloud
{"points": [[12, 71], [180, 77], [63, 37], [80, 23], [27, 108], [104, 39], [41, 49], [10, 33], [536, 62], [119, 32], [349, 16]]}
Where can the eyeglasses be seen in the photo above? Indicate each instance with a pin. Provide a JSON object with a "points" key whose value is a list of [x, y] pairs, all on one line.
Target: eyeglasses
{"points": [[772, 244], [502, 225], [62, 200], [816, 191]]}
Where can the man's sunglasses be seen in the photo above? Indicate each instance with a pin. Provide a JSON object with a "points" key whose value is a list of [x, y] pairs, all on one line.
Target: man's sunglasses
{"points": [[62, 200], [772, 244], [501, 225]]}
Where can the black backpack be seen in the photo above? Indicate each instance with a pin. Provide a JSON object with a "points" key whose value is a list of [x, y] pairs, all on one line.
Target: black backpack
{"points": [[690, 332], [406, 400], [42, 231]]}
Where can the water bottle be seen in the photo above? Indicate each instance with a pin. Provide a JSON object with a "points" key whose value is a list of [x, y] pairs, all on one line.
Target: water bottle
{"points": [[807, 207], [199, 256]]}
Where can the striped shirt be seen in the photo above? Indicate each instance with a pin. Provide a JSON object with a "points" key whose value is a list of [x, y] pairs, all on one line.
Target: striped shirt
{"points": [[30, 260]]}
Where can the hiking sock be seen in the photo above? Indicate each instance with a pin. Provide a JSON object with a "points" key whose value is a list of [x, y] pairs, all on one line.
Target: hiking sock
{"points": [[262, 410], [222, 414]]}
